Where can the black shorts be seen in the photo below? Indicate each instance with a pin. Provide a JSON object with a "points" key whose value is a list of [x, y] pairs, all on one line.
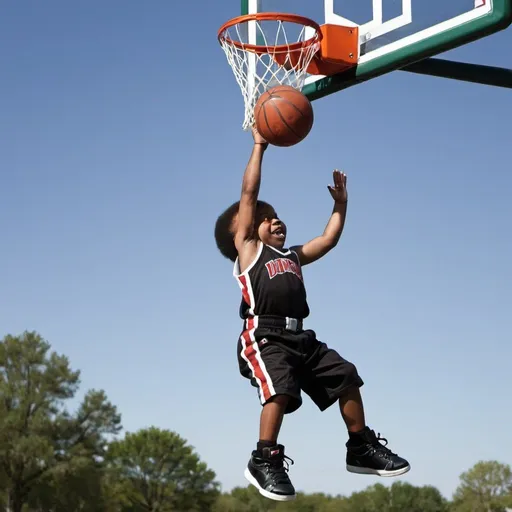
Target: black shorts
{"points": [[280, 362]]}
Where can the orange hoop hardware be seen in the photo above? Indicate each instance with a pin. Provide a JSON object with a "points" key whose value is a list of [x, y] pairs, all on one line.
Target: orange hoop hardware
{"points": [[271, 16], [284, 55]]}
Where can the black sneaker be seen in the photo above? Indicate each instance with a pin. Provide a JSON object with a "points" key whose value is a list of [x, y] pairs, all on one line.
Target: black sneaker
{"points": [[267, 472], [370, 457]]}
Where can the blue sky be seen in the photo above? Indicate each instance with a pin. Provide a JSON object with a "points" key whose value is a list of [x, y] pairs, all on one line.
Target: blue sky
{"points": [[120, 143]]}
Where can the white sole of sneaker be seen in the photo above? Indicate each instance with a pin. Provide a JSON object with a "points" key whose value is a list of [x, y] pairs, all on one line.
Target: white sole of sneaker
{"points": [[269, 495], [378, 472]]}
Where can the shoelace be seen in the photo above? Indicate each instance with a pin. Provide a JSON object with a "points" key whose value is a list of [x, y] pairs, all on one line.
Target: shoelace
{"points": [[377, 444], [280, 467]]}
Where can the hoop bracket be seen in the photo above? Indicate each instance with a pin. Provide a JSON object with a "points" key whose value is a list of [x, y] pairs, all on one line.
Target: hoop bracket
{"points": [[339, 50]]}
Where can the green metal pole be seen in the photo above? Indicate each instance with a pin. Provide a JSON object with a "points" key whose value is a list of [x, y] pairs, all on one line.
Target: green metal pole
{"points": [[476, 73]]}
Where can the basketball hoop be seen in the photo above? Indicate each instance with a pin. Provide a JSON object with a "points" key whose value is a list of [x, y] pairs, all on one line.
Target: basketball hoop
{"points": [[268, 49]]}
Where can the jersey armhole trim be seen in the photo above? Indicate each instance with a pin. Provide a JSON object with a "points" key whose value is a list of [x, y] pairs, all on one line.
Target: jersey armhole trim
{"points": [[236, 267], [298, 258]]}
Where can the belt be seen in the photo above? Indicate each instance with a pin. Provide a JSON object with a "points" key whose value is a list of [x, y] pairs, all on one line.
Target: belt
{"points": [[279, 322]]}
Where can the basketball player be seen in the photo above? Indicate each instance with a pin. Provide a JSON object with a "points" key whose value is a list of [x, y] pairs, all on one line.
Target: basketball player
{"points": [[280, 358]]}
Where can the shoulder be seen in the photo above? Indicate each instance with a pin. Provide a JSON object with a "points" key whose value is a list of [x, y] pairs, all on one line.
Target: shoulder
{"points": [[245, 262], [295, 251]]}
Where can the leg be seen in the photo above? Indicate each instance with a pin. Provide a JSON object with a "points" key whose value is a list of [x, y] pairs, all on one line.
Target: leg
{"points": [[272, 418], [352, 410], [365, 454], [266, 469], [331, 378], [270, 369]]}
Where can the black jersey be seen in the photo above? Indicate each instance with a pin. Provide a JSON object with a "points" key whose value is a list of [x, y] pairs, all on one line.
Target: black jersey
{"points": [[272, 285]]}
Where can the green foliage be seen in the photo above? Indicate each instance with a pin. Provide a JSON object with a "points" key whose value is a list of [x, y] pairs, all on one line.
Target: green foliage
{"points": [[486, 487], [400, 497], [76, 488], [39, 439], [248, 499], [160, 473]]}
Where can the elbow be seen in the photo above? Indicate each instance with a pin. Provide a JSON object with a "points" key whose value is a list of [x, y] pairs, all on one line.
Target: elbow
{"points": [[327, 246], [331, 242], [250, 193]]}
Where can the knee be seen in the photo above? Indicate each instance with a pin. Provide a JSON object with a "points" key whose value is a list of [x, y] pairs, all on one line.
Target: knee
{"points": [[352, 372], [352, 379], [281, 400]]}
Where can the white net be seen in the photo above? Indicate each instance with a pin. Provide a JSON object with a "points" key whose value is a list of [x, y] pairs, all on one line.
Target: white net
{"points": [[267, 53]]}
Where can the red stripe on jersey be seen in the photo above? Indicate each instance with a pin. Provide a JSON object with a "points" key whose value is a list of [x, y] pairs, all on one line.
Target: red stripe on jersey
{"points": [[250, 351], [245, 290]]}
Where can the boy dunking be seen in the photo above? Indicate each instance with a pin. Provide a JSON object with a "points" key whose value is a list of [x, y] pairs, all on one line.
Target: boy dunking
{"points": [[279, 357]]}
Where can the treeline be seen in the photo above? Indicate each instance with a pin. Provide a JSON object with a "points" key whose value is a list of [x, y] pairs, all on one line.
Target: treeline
{"points": [[52, 460]]}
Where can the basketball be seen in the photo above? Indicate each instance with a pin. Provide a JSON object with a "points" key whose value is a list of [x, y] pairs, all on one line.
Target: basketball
{"points": [[284, 116]]}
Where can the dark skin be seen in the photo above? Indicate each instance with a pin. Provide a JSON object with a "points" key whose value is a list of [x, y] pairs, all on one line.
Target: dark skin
{"points": [[252, 227]]}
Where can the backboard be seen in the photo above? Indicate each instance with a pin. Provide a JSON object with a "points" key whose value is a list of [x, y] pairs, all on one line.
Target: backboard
{"points": [[393, 33]]}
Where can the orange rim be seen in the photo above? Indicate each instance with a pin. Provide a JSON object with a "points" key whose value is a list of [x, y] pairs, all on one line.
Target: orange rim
{"points": [[271, 16]]}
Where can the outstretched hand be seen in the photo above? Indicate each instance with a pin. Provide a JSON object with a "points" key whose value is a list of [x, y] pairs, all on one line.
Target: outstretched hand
{"points": [[258, 139], [339, 191]]}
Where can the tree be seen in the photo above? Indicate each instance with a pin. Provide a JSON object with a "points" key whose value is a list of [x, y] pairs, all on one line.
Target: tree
{"points": [[375, 498], [77, 489], [316, 502], [486, 487], [160, 472], [404, 496], [400, 497], [228, 503], [39, 439], [248, 499]]}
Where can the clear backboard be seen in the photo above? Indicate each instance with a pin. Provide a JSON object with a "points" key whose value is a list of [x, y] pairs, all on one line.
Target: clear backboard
{"points": [[392, 33]]}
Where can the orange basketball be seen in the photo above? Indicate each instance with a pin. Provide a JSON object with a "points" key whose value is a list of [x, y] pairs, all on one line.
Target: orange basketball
{"points": [[284, 116]]}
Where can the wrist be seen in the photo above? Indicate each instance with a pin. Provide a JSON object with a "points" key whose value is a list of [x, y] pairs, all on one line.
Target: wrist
{"points": [[259, 148]]}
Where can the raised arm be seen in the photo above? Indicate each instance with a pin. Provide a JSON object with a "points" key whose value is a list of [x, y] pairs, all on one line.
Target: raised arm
{"points": [[321, 245], [244, 237]]}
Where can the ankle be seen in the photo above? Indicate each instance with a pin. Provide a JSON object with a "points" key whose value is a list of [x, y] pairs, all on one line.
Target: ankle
{"points": [[262, 443], [357, 437]]}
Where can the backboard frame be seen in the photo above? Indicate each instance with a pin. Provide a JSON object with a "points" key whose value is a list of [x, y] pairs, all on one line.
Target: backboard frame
{"points": [[495, 20]]}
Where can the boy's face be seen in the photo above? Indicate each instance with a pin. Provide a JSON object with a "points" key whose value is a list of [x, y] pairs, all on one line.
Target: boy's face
{"points": [[271, 230]]}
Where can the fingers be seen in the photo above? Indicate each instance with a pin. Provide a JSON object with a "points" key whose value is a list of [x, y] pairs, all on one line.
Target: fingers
{"points": [[339, 178]]}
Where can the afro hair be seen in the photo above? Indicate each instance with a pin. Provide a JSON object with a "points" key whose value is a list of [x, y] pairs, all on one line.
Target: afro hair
{"points": [[224, 235]]}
